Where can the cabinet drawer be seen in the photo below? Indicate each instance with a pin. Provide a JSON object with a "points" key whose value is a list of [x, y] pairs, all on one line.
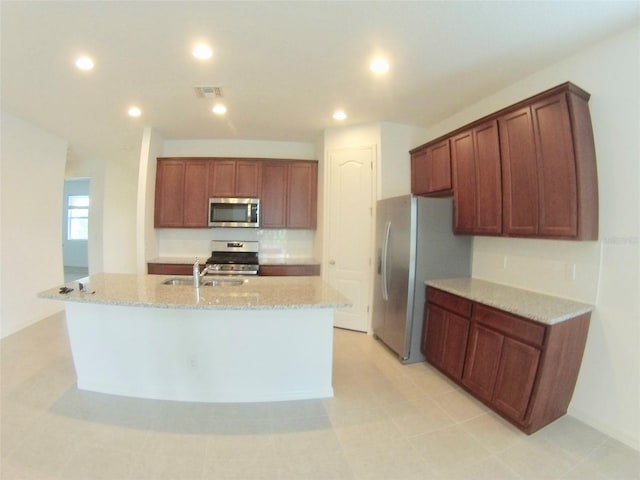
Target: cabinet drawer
{"points": [[516, 327], [453, 303]]}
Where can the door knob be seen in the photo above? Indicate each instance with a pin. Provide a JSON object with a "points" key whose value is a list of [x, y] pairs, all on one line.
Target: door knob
{"points": [[332, 262]]}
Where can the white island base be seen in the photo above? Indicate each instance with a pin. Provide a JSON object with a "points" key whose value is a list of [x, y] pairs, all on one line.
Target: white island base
{"points": [[202, 355]]}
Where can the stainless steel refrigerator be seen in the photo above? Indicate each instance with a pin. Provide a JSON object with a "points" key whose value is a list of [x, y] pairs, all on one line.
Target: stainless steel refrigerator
{"points": [[414, 243]]}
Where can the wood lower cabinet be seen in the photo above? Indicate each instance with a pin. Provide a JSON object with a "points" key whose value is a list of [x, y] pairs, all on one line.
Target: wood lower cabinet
{"points": [[170, 268], [289, 270], [445, 331], [445, 340], [431, 169], [524, 370]]}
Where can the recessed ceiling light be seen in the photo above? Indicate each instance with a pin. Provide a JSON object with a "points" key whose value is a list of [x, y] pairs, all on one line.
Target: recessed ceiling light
{"points": [[339, 115], [84, 63], [202, 52], [379, 65], [134, 111], [219, 109]]}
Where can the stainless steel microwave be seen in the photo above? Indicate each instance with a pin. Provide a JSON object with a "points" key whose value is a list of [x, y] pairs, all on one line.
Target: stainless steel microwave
{"points": [[234, 212]]}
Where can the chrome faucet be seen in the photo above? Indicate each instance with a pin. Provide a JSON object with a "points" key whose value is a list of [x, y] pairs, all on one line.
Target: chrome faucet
{"points": [[197, 274]]}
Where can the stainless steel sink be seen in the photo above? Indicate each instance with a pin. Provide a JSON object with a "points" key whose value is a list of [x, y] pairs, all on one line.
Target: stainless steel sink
{"points": [[178, 281], [206, 282], [222, 282]]}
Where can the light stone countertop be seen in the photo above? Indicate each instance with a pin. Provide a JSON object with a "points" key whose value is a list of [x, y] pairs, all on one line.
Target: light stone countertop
{"points": [[259, 293], [525, 303]]}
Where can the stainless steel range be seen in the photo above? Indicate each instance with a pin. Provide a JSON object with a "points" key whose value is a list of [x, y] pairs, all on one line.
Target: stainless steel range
{"points": [[233, 258]]}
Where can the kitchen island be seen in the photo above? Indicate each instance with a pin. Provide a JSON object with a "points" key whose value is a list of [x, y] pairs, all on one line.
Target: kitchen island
{"points": [[268, 339]]}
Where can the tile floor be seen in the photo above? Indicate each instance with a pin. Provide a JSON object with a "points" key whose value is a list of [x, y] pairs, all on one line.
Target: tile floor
{"points": [[386, 421]]}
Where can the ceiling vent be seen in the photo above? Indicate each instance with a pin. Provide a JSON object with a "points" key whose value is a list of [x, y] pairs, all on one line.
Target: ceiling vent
{"points": [[206, 91]]}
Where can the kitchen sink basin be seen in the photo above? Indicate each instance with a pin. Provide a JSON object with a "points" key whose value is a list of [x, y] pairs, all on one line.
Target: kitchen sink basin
{"points": [[206, 282], [178, 281], [222, 282]]}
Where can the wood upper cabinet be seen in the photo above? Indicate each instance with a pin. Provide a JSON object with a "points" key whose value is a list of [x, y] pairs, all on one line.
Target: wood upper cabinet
{"points": [[181, 193], [169, 201], [196, 205], [431, 169], [273, 201], [248, 177], [287, 190], [302, 201], [234, 178], [528, 170], [289, 194], [477, 192], [549, 169]]}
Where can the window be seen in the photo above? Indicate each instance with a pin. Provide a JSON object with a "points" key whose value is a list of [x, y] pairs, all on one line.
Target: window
{"points": [[78, 217]]}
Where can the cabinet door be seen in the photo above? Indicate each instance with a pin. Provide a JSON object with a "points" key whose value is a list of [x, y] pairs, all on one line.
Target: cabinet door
{"points": [[475, 156], [557, 184], [222, 177], [419, 173], [196, 194], [519, 173], [488, 178], [302, 195], [464, 180], [439, 161], [431, 170], [273, 199], [247, 181], [515, 379], [169, 200], [433, 334], [444, 339], [455, 344], [483, 359]]}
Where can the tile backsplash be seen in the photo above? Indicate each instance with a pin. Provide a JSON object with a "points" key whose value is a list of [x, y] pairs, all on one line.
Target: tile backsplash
{"points": [[274, 244]]}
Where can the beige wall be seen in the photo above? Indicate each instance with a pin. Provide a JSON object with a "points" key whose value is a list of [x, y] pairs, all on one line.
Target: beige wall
{"points": [[31, 193]]}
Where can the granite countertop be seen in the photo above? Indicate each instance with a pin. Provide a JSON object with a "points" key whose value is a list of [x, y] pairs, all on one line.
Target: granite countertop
{"points": [[525, 303], [258, 293]]}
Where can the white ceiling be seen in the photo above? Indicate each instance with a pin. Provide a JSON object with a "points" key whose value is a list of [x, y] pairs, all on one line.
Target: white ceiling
{"points": [[283, 67]]}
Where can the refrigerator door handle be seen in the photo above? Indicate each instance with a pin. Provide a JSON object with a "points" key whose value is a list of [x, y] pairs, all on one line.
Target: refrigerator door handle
{"points": [[385, 254]]}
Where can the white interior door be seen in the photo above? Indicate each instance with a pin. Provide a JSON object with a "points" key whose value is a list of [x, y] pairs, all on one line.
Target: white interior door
{"points": [[349, 224]]}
